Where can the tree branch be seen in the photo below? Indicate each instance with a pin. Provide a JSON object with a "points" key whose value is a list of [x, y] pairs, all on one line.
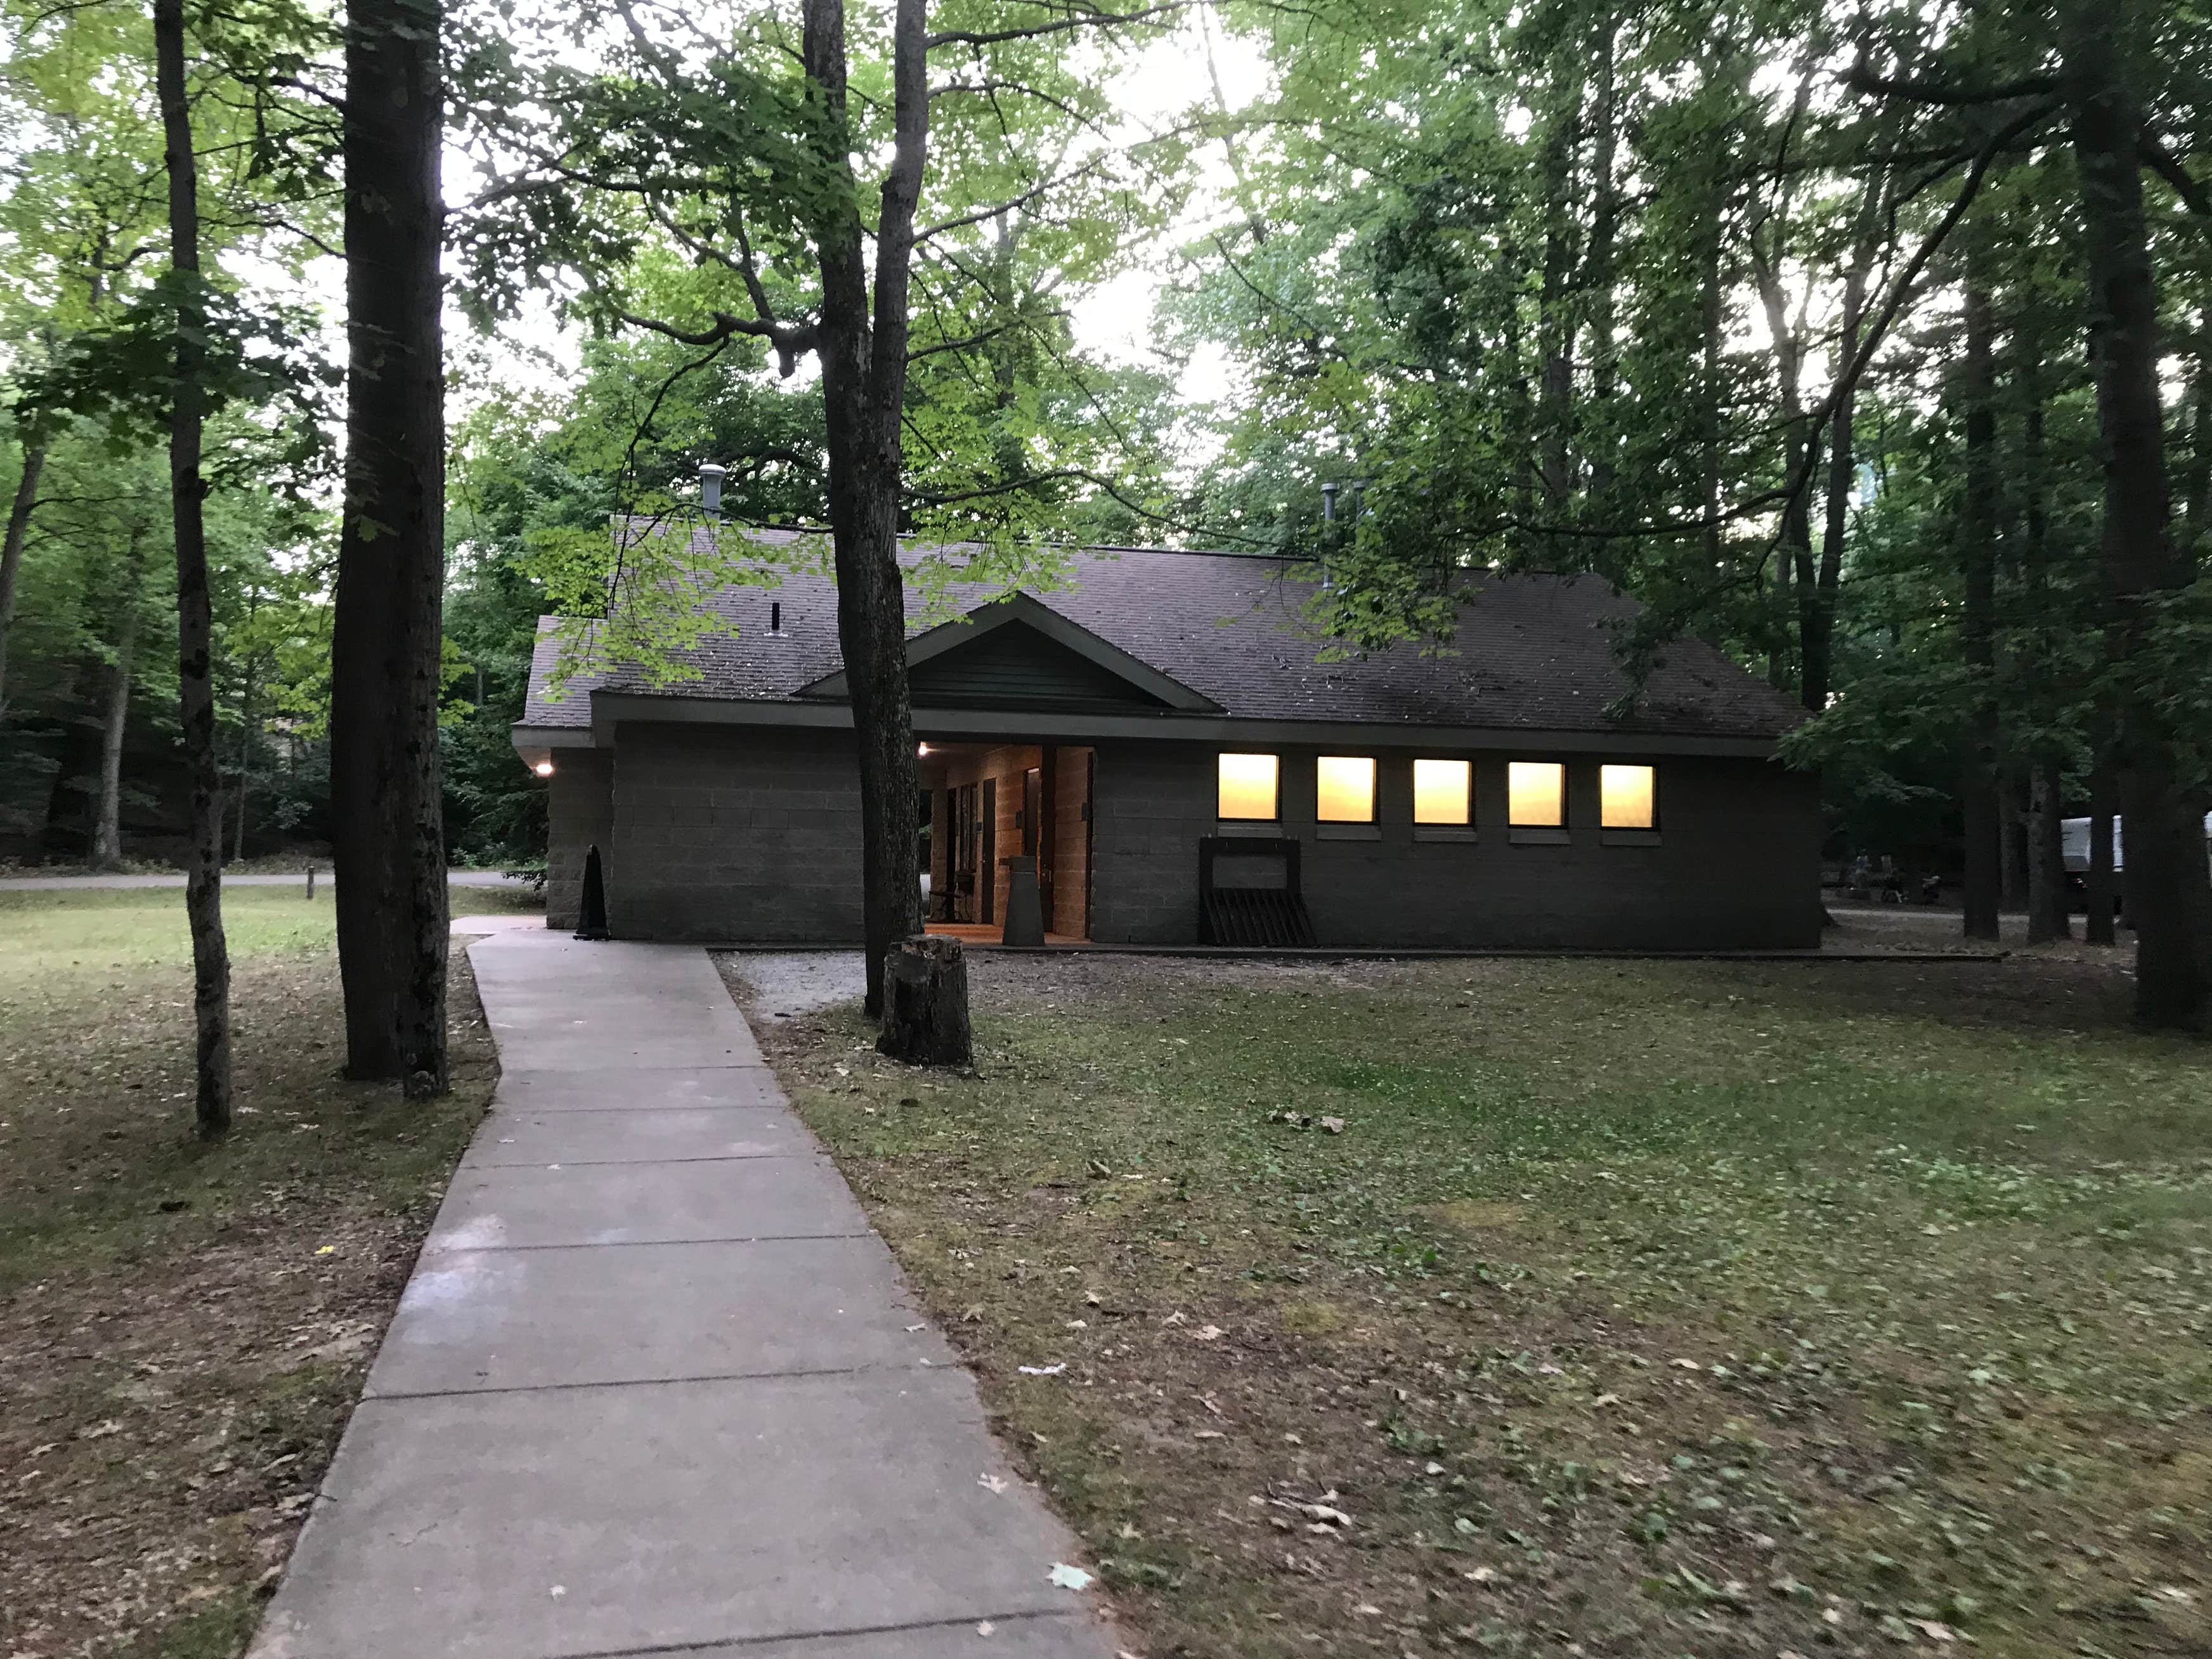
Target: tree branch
{"points": [[789, 339], [2165, 163], [1060, 25], [1861, 78]]}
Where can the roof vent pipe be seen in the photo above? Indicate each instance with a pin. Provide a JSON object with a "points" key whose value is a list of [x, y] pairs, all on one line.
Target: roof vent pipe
{"points": [[1329, 503], [710, 488]]}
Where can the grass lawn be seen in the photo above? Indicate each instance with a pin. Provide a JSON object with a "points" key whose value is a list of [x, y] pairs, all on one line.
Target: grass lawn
{"points": [[1575, 1307], [184, 1329]]}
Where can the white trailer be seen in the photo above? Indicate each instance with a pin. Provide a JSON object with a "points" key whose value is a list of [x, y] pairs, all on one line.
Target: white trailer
{"points": [[2076, 833]]}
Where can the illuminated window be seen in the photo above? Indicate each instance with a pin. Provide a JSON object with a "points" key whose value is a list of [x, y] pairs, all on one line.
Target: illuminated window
{"points": [[1535, 794], [1247, 789], [1441, 791], [1344, 789], [1625, 796]]}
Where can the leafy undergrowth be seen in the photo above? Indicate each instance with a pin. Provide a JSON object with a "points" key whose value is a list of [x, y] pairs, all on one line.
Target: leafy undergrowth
{"points": [[185, 1328], [1575, 1308]]}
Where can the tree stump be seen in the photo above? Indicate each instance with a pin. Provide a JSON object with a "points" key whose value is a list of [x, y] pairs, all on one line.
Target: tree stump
{"points": [[926, 1003]]}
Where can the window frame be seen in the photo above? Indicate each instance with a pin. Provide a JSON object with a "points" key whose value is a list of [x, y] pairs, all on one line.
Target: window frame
{"points": [[1651, 793], [1615, 836], [1374, 794], [1461, 828], [1561, 820], [1275, 761]]}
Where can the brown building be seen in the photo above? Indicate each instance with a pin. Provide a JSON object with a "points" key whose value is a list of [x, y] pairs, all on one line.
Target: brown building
{"points": [[1165, 739]]}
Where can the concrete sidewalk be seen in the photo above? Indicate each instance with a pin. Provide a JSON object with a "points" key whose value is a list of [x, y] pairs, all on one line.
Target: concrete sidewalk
{"points": [[655, 1386]]}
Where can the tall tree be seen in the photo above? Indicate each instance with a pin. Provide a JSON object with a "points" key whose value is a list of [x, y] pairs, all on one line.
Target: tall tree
{"points": [[864, 363], [385, 792], [195, 622], [2143, 566], [21, 504], [1979, 792], [107, 825], [758, 179]]}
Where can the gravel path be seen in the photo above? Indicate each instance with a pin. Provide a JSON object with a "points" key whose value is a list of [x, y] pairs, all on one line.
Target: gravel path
{"points": [[787, 983]]}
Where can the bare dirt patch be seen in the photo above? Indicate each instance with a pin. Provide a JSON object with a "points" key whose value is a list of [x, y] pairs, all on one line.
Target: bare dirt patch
{"points": [[185, 1328]]}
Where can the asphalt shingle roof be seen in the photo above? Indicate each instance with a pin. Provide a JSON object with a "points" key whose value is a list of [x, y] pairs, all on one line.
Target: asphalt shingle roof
{"points": [[1532, 652]]}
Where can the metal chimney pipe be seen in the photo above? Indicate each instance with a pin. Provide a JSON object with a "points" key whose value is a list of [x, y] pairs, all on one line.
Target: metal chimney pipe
{"points": [[1329, 503], [710, 487]]}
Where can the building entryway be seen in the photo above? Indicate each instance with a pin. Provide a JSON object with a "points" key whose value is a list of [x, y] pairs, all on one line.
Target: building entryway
{"points": [[991, 802]]}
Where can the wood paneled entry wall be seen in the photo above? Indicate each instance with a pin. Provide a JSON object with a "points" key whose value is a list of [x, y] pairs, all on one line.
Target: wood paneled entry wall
{"points": [[990, 802]]}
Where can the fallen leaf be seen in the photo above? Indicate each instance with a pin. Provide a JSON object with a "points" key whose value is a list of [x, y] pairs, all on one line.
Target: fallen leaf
{"points": [[1333, 1125], [991, 1482], [1206, 1333]]}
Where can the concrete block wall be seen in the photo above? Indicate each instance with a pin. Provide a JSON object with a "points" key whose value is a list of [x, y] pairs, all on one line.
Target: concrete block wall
{"points": [[1734, 864], [742, 834], [735, 834], [1153, 802], [580, 813]]}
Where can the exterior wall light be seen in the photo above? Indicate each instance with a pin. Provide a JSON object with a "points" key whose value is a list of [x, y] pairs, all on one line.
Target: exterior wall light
{"points": [[543, 769]]}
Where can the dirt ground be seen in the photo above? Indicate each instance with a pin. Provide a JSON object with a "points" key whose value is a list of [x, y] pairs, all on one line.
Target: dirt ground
{"points": [[185, 1328]]}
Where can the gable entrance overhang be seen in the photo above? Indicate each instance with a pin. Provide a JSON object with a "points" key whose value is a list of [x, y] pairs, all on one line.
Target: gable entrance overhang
{"points": [[1022, 655]]}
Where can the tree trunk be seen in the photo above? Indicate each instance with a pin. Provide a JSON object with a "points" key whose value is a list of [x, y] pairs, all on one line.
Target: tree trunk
{"points": [[2197, 461], [1598, 273], [2047, 855], [11, 548], [1713, 316], [386, 794], [245, 762], [1817, 628], [2102, 890], [1554, 316], [195, 616], [1519, 408], [2141, 563], [864, 394], [1979, 796], [2014, 792], [108, 831], [1795, 580]]}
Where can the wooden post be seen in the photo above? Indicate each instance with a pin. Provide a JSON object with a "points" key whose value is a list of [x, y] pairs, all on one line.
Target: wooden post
{"points": [[926, 1003]]}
